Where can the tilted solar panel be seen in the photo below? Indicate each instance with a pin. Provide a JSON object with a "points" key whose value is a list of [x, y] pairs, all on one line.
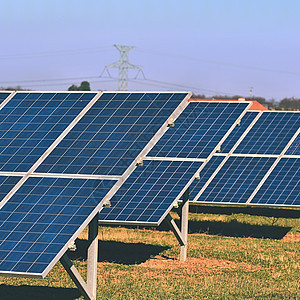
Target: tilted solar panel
{"points": [[146, 196], [238, 131], [31, 122], [112, 133], [206, 118], [198, 130], [41, 213], [236, 180], [282, 187], [270, 134]]}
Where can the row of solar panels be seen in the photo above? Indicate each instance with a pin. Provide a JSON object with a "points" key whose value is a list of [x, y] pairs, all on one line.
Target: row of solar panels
{"points": [[63, 154]]}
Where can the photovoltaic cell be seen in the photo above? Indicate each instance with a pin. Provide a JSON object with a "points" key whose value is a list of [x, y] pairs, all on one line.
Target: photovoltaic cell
{"points": [[6, 185], [238, 131], [40, 219], [3, 96], [149, 192], [205, 174], [112, 133], [294, 149], [282, 186], [198, 130], [236, 180], [270, 134], [31, 122]]}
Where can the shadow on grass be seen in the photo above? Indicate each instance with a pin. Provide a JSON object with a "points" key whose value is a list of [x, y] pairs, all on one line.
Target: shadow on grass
{"points": [[118, 252], [25, 292], [233, 228]]}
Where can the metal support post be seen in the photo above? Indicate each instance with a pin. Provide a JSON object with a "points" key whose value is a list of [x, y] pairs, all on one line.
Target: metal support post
{"points": [[92, 256], [89, 289], [184, 219]]}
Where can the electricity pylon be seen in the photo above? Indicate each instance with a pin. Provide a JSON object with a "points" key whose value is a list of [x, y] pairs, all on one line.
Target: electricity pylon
{"points": [[123, 65]]}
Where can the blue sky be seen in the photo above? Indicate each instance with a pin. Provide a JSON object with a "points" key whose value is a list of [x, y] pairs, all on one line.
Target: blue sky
{"points": [[207, 46]]}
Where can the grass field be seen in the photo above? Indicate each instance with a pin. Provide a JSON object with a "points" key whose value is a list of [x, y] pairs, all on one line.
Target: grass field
{"points": [[230, 256]]}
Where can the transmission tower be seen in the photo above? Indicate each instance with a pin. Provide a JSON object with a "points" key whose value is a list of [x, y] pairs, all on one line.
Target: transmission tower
{"points": [[123, 65]]}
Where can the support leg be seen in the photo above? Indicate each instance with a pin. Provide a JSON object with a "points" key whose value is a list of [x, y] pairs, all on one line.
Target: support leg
{"points": [[92, 256], [184, 224]]}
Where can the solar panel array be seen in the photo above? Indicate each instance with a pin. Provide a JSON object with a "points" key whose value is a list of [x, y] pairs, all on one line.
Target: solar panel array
{"points": [[3, 96], [150, 191], [260, 163], [44, 202]]}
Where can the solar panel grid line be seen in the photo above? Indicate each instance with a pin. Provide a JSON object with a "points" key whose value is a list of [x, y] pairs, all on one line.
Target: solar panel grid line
{"points": [[226, 157], [174, 158], [291, 156], [80, 176], [273, 167], [48, 151], [253, 155], [7, 98]]}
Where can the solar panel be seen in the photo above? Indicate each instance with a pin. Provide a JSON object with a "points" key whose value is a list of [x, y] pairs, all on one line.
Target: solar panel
{"points": [[3, 96], [41, 218], [31, 122], [282, 186], [205, 174], [236, 180], [199, 129], [146, 196], [238, 131], [112, 133], [270, 134], [40, 213], [143, 203]]}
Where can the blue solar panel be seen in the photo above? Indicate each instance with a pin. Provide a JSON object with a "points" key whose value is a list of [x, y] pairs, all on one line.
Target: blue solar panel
{"points": [[31, 122], [149, 192], [236, 180], [198, 129], [270, 134], [294, 149], [282, 186], [41, 217], [205, 174], [3, 96], [112, 133], [238, 131], [6, 184]]}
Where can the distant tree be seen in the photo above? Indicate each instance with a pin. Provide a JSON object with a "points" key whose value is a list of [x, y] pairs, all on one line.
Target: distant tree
{"points": [[289, 104], [84, 86], [73, 87], [198, 96], [15, 88]]}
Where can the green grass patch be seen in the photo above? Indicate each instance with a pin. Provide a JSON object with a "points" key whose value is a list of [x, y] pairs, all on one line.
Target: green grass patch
{"points": [[230, 256]]}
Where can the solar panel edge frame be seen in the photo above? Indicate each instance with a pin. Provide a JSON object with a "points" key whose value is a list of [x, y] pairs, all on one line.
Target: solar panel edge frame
{"points": [[190, 181], [7, 99], [52, 146]]}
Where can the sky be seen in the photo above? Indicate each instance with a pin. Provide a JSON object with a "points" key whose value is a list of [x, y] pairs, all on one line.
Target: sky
{"points": [[210, 47]]}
